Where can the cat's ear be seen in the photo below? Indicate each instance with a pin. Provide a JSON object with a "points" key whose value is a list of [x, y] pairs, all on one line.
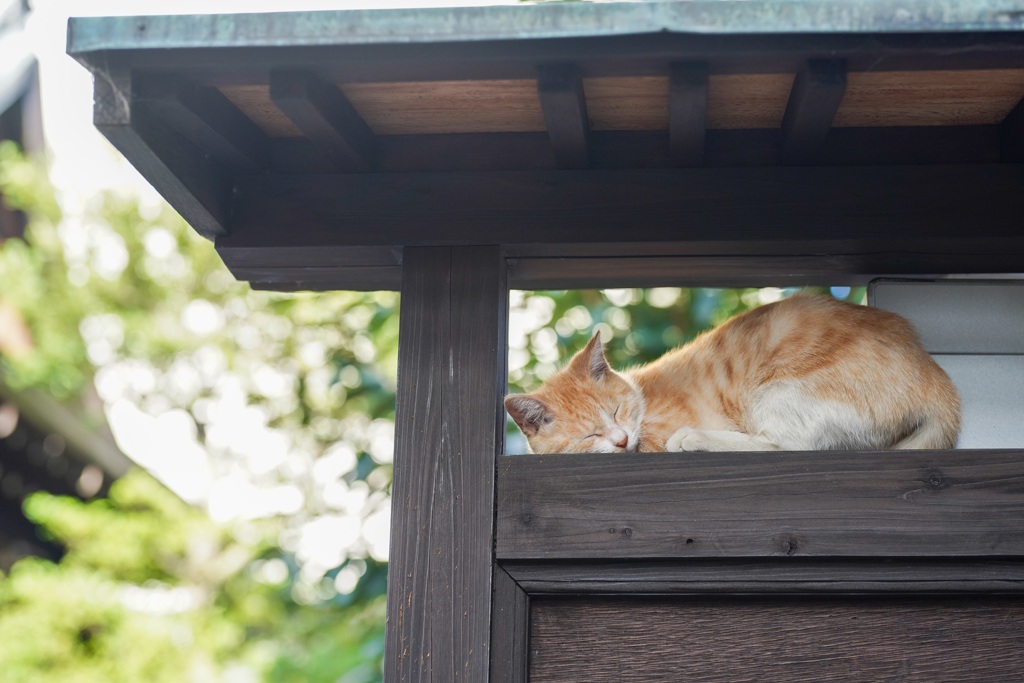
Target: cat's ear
{"points": [[529, 413], [591, 361]]}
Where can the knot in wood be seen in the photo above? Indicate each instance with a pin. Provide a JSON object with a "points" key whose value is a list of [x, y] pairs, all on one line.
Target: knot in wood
{"points": [[935, 480]]}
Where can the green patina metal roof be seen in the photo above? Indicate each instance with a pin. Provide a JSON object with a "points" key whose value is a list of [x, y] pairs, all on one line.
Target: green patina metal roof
{"points": [[353, 27]]}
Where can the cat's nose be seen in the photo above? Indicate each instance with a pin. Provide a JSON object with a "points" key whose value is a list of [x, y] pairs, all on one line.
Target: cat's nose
{"points": [[622, 441]]}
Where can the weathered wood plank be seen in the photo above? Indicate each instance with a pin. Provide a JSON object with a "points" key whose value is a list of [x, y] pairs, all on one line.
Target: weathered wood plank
{"points": [[688, 105], [855, 266], [451, 371], [325, 116], [207, 118], [867, 204], [560, 89], [790, 576], [510, 647], [719, 505], [194, 185], [1012, 134], [817, 91], [860, 639]]}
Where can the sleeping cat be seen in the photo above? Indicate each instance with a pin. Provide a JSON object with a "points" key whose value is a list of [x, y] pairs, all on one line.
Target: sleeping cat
{"points": [[805, 373]]}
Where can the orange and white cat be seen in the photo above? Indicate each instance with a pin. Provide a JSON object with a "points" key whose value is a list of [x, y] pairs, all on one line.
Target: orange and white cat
{"points": [[805, 373]]}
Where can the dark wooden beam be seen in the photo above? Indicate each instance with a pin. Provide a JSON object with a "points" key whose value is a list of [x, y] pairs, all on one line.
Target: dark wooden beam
{"points": [[510, 630], [806, 576], [195, 185], [897, 145], [207, 118], [450, 427], [1012, 134], [817, 91], [864, 203], [688, 104], [560, 89], [326, 117], [783, 505]]}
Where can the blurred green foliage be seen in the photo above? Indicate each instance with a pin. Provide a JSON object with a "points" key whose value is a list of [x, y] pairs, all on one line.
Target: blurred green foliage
{"points": [[126, 304]]}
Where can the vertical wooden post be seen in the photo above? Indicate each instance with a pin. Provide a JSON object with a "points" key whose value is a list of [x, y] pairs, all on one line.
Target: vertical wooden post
{"points": [[449, 429]]}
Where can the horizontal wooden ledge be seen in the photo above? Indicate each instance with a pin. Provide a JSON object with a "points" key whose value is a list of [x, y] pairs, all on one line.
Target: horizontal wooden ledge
{"points": [[730, 505], [869, 204], [939, 144], [790, 576]]}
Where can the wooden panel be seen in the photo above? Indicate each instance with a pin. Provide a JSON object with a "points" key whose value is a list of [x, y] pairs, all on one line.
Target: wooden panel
{"points": [[195, 185], [912, 503], [790, 576], [438, 107], [817, 92], [925, 640], [735, 101], [930, 98], [510, 636], [255, 102], [748, 100], [451, 374], [623, 103]]}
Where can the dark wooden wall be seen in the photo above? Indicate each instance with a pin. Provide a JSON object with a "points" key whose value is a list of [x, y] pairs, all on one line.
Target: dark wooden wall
{"points": [[777, 640]]}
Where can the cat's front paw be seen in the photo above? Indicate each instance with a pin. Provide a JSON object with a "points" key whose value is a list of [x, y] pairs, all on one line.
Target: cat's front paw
{"points": [[687, 439]]}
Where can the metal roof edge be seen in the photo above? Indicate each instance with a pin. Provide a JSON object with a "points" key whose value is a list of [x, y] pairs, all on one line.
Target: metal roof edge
{"points": [[569, 20]]}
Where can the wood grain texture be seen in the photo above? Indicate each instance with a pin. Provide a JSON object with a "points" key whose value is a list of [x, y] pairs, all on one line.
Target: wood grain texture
{"points": [[817, 91], [639, 103], [747, 100], [196, 186], [720, 505], [627, 103], [862, 639], [450, 376], [790, 575], [324, 116], [930, 98], [207, 118], [688, 106], [560, 89], [510, 630]]}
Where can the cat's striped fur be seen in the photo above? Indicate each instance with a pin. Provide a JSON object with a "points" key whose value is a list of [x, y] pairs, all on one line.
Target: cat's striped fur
{"points": [[805, 373]]}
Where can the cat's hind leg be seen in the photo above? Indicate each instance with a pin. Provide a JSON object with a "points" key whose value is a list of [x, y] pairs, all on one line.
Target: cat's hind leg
{"points": [[716, 440], [788, 415]]}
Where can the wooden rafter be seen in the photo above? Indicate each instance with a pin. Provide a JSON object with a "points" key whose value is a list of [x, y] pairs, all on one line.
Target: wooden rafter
{"points": [[560, 89], [325, 116], [817, 91], [207, 118], [688, 104]]}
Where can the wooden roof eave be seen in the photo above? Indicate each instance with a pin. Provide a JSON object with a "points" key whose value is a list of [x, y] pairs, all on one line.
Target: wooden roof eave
{"points": [[334, 208]]}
